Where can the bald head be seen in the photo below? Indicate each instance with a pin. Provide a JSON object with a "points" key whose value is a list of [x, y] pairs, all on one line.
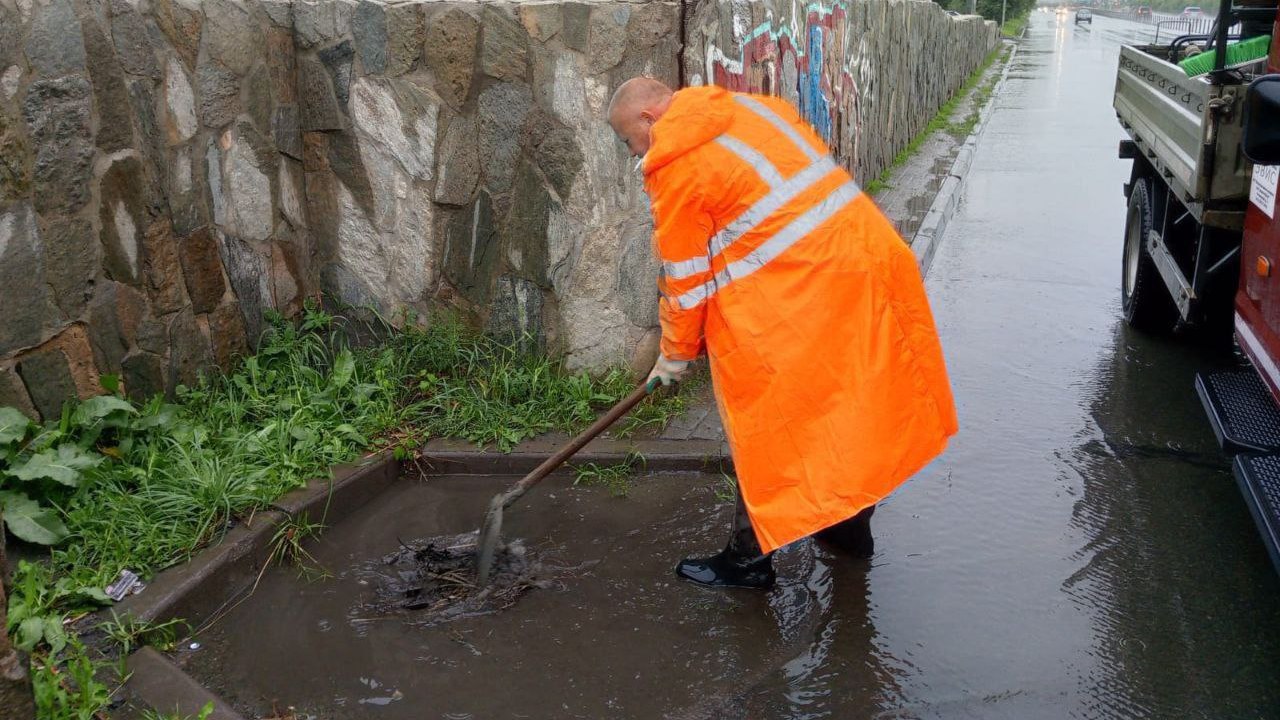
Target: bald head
{"points": [[639, 94], [635, 107]]}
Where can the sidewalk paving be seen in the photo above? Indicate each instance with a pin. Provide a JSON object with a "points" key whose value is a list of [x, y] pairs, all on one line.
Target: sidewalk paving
{"points": [[701, 422], [923, 193]]}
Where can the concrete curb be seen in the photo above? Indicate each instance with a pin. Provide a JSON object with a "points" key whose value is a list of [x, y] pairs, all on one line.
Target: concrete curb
{"points": [[929, 235], [350, 487], [221, 575], [197, 589], [457, 458], [164, 687]]}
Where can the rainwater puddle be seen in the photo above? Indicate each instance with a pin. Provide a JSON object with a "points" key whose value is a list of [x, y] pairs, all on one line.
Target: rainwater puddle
{"points": [[606, 632]]}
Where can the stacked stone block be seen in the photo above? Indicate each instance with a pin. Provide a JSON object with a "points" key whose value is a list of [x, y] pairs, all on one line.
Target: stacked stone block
{"points": [[151, 197], [456, 155], [170, 170]]}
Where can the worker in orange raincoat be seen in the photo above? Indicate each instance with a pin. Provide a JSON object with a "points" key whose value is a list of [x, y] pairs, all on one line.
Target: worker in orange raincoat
{"points": [[824, 357]]}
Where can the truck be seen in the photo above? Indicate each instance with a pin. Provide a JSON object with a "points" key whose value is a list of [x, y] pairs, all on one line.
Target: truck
{"points": [[1201, 254]]}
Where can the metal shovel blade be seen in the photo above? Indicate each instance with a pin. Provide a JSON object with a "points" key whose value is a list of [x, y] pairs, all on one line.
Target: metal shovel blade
{"points": [[491, 530], [490, 536]]}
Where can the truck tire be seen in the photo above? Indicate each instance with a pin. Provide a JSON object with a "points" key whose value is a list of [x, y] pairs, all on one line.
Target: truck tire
{"points": [[1143, 295]]}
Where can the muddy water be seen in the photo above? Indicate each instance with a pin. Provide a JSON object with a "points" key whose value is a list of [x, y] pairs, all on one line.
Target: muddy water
{"points": [[1080, 551], [614, 634]]}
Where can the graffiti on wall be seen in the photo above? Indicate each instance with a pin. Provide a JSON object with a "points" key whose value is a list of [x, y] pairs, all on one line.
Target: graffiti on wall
{"points": [[809, 60]]}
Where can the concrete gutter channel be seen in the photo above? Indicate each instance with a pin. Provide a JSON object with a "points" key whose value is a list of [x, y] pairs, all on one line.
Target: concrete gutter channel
{"points": [[221, 576]]}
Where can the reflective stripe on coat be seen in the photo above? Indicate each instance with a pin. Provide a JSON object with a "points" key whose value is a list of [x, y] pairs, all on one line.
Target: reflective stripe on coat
{"points": [[826, 364]]}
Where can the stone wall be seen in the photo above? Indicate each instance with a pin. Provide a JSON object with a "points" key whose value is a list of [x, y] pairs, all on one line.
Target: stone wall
{"points": [[151, 197], [869, 75], [171, 169], [456, 154]]}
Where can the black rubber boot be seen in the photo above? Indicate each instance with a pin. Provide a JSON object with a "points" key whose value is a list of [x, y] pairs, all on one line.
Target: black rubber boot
{"points": [[740, 564], [729, 569], [853, 536]]}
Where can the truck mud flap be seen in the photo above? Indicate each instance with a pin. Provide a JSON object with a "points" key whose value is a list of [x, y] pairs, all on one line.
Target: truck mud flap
{"points": [[1259, 479], [1240, 408]]}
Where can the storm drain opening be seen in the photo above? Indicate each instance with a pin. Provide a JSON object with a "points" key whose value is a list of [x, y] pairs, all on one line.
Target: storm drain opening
{"points": [[431, 580]]}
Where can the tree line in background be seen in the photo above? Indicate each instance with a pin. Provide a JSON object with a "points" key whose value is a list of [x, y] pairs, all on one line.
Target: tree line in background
{"points": [[991, 9], [1175, 7]]}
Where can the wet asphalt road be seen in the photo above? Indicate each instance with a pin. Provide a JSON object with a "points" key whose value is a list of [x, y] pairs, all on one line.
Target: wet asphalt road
{"points": [[1080, 551]]}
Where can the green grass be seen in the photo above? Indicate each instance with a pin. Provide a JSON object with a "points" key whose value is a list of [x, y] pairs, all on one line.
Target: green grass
{"points": [[288, 547], [617, 477], [129, 633], [205, 712], [941, 121], [726, 488], [66, 686], [1014, 26], [115, 485], [963, 128]]}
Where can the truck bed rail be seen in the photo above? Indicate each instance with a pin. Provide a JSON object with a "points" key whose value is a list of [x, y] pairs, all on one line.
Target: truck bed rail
{"points": [[1187, 128]]}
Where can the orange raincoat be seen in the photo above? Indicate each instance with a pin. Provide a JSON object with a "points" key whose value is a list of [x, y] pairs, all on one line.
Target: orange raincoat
{"points": [[825, 360]]}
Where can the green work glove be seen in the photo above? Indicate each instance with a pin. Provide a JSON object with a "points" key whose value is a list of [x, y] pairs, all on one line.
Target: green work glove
{"points": [[668, 371]]}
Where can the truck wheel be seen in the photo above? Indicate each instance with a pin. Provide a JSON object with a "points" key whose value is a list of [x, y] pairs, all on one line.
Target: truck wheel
{"points": [[1143, 296]]}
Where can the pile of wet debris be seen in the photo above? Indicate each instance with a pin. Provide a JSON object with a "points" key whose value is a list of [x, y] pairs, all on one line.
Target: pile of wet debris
{"points": [[435, 579]]}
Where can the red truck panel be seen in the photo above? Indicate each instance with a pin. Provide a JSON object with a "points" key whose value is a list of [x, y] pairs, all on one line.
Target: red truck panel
{"points": [[1274, 65], [1258, 299]]}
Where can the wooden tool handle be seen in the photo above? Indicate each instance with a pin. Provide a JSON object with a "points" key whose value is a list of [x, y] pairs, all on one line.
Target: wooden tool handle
{"points": [[550, 464]]}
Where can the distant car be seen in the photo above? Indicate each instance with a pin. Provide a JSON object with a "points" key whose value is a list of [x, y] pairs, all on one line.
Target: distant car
{"points": [[1192, 11], [953, 13], [1084, 15], [1143, 11]]}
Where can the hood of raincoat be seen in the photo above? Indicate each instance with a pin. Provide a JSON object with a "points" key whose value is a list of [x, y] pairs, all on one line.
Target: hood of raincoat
{"points": [[696, 116]]}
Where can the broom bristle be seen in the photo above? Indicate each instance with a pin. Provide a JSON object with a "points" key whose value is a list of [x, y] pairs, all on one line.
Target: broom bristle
{"points": [[1238, 53]]}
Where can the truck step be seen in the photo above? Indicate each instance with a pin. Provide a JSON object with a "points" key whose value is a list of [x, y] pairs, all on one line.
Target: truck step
{"points": [[1241, 410], [1259, 479]]}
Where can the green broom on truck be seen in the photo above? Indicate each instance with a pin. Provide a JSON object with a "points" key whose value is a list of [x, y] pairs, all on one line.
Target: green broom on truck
{"points": [[1238, 53]]}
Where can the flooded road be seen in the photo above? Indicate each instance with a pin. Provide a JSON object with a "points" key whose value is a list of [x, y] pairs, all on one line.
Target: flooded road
{"points": [[1080, 551], [1082, 548]]}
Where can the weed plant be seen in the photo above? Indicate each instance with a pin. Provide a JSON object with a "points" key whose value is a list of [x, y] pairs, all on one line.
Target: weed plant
{"points": [[942, 122], [617, 477], [113, 484], [205, 712]]}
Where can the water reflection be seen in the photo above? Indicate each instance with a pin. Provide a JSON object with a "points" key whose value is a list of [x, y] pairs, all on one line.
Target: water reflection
{"points": [[1183, 597], [836, 668]]}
